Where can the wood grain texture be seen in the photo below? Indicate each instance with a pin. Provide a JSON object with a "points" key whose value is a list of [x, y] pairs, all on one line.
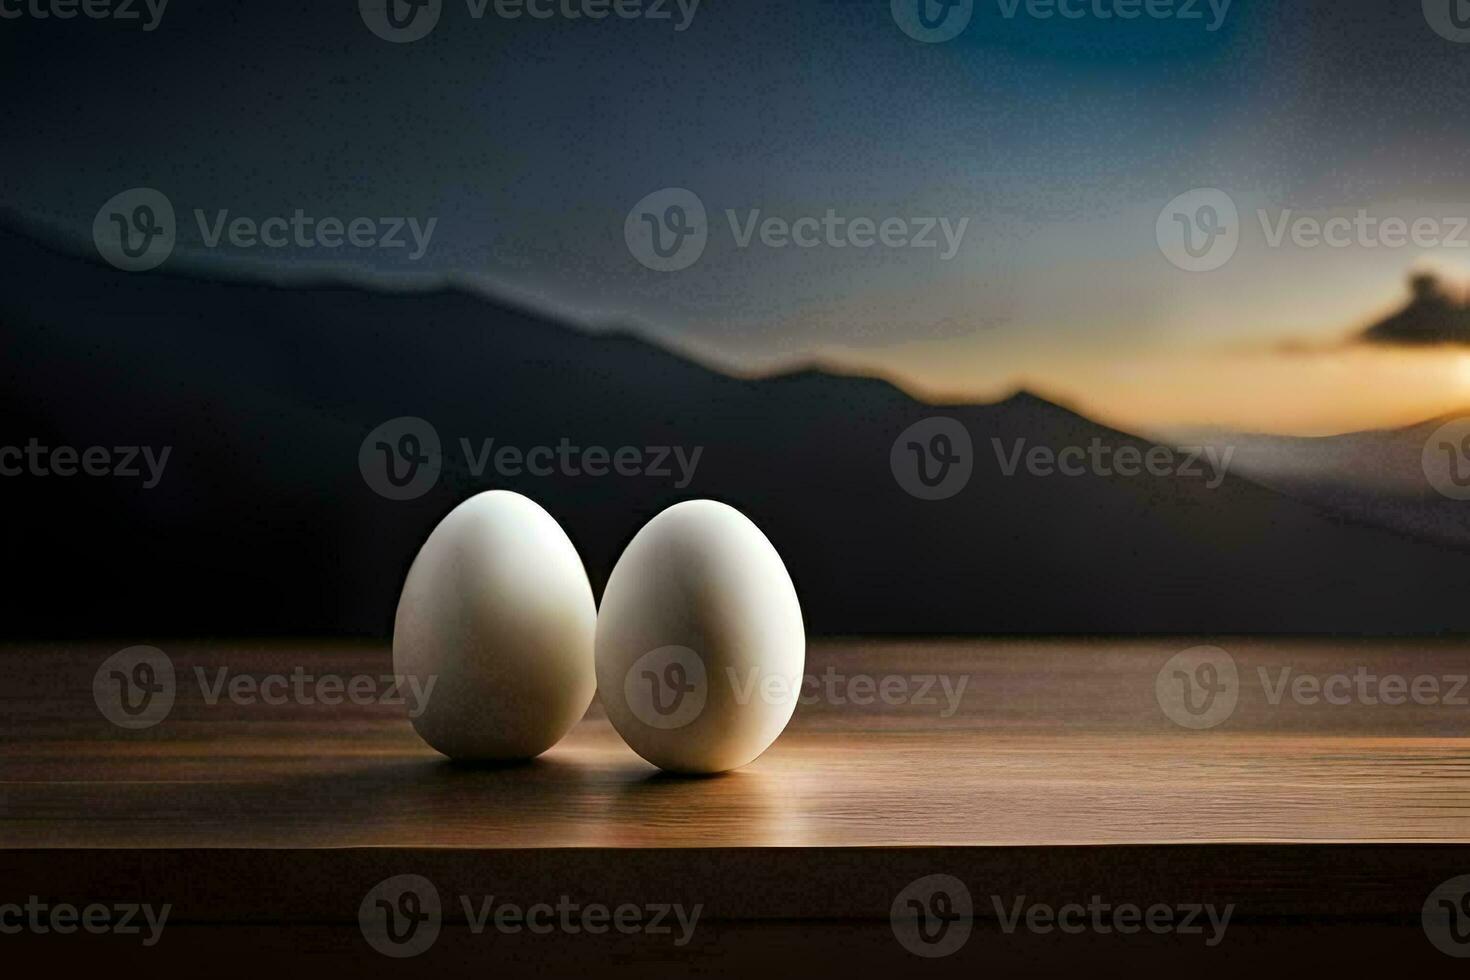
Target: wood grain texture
{"points": [[1049, 743], [1048, 775]]}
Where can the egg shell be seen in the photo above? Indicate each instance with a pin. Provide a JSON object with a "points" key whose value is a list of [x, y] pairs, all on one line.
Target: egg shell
{"points": [[498, 613], [700, 642]]}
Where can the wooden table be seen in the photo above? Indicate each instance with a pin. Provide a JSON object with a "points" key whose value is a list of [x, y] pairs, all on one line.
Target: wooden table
{"points": [[1053, 775]]}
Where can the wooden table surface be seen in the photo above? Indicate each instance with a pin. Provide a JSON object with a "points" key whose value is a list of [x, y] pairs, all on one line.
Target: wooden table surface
{"points": [[1047, 743], [1053, 773]]}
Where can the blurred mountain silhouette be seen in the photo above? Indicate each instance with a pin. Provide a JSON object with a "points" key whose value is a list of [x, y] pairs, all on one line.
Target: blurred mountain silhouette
{"points": [[264, 523]]}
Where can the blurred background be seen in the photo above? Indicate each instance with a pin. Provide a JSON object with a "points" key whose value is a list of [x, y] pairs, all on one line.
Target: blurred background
{"points": [[997, 317]]}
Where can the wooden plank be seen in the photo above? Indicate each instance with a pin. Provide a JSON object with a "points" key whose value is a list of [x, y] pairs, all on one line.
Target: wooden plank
{"points": [[1054, 742], [1051, 776]]}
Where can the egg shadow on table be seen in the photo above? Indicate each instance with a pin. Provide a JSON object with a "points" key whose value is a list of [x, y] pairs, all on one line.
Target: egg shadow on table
{"points": [[675, 778], [739, 803], [490, 765]]}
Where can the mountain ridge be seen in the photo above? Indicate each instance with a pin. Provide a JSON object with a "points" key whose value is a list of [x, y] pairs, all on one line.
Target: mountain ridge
{"points": [[264, 522], [611, 329]]}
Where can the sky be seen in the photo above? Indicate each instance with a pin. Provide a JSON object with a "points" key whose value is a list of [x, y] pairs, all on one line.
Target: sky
{"points": [[964, 215]]}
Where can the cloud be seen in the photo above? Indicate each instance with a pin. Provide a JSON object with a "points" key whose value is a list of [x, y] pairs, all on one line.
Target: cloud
{"points": [[1432, 316]]}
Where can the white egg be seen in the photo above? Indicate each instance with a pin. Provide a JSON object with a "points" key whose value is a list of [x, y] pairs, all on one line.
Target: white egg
{"points": [[498, 615], [700, 643]]}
